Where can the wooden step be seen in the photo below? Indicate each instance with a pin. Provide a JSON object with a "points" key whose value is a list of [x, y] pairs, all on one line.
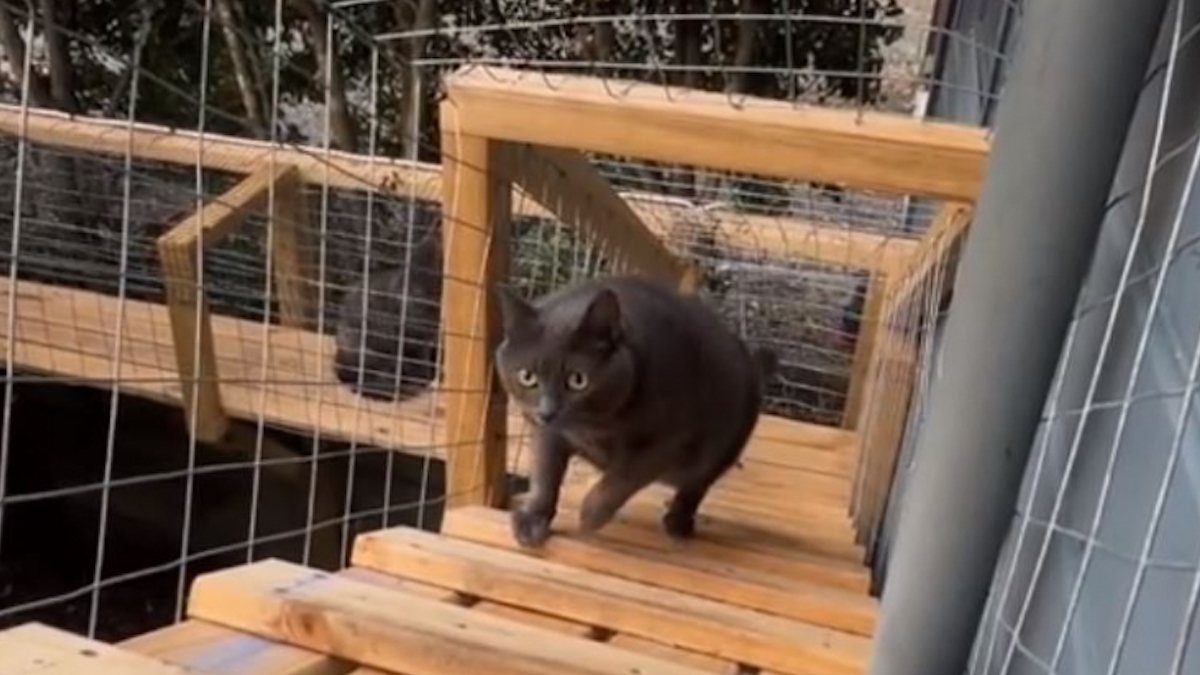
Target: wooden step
{"points": [[822, 606], [699, 624], [392, 630], [35, 648]]}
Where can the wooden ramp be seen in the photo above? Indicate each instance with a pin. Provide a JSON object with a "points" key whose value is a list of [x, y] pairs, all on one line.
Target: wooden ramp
{"points": [[773, 584]]}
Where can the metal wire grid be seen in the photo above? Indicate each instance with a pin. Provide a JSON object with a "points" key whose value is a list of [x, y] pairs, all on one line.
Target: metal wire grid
{"points": [[1102, 567], [235, 282]]}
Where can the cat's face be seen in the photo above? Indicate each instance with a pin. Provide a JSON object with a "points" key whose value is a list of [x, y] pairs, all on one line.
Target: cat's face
{"points": [[562, 375]]}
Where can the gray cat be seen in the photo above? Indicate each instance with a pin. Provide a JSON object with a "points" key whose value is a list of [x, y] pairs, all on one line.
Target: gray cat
{"points": [[389, 344], [644, 383]]}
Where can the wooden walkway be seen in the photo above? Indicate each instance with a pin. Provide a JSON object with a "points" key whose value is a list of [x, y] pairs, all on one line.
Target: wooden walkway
{"points": [[773, 584]]}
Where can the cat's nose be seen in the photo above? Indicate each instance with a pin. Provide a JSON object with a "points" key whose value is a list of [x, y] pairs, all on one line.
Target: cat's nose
{"points": [[546, 413]]}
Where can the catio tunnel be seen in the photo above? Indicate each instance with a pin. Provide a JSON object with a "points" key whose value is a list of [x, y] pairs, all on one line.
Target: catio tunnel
{"points": [[251, 424], [517, 200]]}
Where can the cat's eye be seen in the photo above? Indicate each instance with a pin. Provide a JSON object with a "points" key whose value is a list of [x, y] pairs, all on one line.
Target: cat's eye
{"points": [[527, 378], [577, 380]]}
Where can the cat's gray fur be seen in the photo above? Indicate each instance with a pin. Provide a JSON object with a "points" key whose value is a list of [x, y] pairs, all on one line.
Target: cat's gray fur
{"points": [[671, 396], [388, 343]]}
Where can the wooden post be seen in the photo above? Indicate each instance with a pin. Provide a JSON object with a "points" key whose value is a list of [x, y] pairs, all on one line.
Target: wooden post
{"points": [[475, 229], [290, 258], [191, 327], [864, 350]]}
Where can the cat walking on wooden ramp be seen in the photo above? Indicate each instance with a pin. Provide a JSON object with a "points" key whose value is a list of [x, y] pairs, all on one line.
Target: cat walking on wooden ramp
{"points": [[644, 383]]}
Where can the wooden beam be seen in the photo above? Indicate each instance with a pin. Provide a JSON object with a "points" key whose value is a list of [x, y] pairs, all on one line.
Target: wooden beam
{"points": [[680, 619], [195, 644], [475, 229], [36, 648], [396, 631], [785, 236], [567, 185], [861, 150]]}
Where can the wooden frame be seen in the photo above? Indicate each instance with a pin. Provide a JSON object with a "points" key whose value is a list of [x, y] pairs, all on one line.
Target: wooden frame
{"points": [[475, 229], [191, 324], [819, 243], [567, 185], [865, 150]]}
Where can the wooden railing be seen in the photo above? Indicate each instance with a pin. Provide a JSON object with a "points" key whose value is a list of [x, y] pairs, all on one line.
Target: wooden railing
{"points": [[897, 322]]}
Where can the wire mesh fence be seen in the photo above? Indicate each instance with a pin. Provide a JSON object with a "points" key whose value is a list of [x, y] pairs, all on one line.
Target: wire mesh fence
{"points": [[1099, 572], [110, 504]]}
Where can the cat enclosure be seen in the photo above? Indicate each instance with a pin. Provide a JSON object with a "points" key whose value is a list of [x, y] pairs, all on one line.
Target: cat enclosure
{"points": [[291, 342]]}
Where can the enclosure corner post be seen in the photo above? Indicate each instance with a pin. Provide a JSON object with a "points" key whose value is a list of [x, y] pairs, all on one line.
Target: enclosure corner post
{"points": [[475, 228], [1060, 130]]}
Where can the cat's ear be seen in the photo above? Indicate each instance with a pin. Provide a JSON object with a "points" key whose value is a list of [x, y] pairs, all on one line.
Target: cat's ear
{"points": [[516, 315], [602, 319]]}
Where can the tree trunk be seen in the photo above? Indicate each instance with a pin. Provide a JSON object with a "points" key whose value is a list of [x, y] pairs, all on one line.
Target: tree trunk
{"points": [[412, 93], [62, 91], [743, 57], [687, 46], [246, 83], [341, 124], [14, 48]]}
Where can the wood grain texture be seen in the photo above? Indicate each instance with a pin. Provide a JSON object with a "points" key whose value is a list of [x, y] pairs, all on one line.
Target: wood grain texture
{"points": [[860, 150], [397, 632], [698, 624]]}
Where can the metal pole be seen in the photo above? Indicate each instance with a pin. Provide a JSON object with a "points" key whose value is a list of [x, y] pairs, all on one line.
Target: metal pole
{"points": [[1060, 131]]}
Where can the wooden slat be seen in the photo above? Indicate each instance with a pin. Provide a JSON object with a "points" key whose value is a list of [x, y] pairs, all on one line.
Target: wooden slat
{"points": [[397, 632], [786, 236], [822, 606], [864, 349], [567, 185], [774, 556], [292, 254], [221, 215], [475, 227], [950, 223], [675, 655], [698, 624], [864, 150], [201, 646], [36, 648]]}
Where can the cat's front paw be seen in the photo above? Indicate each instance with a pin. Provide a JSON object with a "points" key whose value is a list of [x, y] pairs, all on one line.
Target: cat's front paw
{"points": [[531, 529], [679, 525]]}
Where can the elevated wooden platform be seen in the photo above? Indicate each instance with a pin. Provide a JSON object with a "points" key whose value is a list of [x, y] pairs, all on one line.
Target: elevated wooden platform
{"points": [[773, 584], [283, 374]]}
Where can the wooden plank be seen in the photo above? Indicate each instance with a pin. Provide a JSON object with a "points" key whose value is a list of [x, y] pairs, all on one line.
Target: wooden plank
{"points": [[567, 185], [397, 632], [755, 547], [699, 624], [818, 605], [36, 648], [201, 646], [675, 655], [475, 227], [834, 244], [862, 150], [733, 527]]}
